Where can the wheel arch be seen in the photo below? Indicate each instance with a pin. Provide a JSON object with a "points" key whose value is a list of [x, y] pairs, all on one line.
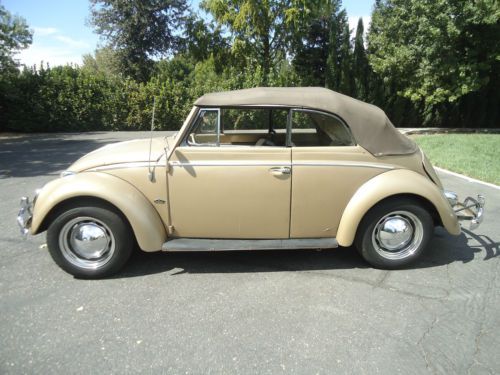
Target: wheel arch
{"points": [[78, 201], [399, 183], [422, 201], [104, 190]]}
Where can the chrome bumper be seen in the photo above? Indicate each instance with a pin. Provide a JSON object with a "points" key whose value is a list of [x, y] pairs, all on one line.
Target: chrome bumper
{"points": [[471, 210], [25, 215]]}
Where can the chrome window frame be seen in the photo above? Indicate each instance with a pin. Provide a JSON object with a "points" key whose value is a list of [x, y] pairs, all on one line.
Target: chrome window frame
{"points": [[289, 125], [186, 142]]}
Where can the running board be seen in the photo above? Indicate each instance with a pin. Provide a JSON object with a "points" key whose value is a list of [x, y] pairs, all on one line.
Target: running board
{"points": [[198, 244]]}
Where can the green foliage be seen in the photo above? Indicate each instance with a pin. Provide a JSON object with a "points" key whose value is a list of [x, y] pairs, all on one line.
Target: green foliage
{"points": [[14, 36], [321, 46], [433, 63], [104, 61], [361, 70], [139, 30], [63, 99], [259, 28], [202, 40], [439, 54]]}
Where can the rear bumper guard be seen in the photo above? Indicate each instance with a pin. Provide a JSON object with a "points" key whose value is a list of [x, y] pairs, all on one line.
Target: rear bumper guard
{"points": [[470, 211]]}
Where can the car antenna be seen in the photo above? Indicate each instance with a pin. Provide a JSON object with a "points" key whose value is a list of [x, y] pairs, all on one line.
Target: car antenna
{"points": [[151, 172]]}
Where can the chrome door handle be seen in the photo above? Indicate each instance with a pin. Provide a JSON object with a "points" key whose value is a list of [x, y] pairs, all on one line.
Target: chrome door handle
{"points": [[278, 171]]}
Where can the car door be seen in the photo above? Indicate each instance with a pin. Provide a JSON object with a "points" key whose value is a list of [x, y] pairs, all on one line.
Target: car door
{"points": [[328, 168], [230, 183]]}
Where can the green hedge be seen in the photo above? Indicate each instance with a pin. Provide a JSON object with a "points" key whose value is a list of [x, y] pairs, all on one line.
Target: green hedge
{"points": [[74, 99]]}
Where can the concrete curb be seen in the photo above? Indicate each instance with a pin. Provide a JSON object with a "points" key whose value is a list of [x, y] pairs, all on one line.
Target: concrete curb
{"points": [[470, 179], [412, 131]]}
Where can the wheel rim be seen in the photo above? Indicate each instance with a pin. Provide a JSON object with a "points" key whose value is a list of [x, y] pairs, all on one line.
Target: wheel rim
{"points": [[87, 243], [397, 235]]}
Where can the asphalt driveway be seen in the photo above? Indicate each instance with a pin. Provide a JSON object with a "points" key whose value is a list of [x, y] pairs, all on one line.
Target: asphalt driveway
{"points": [[270, 312]]}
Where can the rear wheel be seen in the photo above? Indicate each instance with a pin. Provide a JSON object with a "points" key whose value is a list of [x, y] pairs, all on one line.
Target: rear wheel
{"points": [[394, 233], [90, 242]]}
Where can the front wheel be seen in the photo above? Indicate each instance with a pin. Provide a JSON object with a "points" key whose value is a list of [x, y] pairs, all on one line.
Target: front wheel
{"points": [[394, 233], [90, 242]]}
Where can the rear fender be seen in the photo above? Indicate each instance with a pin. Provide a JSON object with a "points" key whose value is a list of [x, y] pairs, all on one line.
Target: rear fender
{"points": [[146, 224], [388, 184]]}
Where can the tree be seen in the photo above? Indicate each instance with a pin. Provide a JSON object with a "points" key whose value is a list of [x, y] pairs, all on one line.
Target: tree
{"points": [[105, 61], [321, 46], [444, 56], [360, 66], [258, 28], [202, 39], [344, 64], [310, 45], [14, 36], [139, 30]]}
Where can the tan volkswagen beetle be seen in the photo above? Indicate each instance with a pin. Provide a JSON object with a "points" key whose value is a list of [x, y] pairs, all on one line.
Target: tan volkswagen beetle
{"points": [[263, 168]]}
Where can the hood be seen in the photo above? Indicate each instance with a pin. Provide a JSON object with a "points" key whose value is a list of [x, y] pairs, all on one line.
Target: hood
{"points": [[122, 152]]}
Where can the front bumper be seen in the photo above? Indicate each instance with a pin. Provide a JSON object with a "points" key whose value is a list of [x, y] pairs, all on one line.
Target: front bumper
{"points": [[470, 210], [25, 215]]}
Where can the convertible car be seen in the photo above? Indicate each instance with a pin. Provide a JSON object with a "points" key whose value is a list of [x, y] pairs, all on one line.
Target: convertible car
{"points": [[254, 169]]}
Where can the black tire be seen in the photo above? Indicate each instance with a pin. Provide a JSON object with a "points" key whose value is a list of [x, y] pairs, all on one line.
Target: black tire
{"points": [[403, 212], [68, 241]]}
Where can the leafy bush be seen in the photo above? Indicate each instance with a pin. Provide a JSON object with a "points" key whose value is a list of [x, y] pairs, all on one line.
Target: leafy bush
{"points": [[74, 99]]}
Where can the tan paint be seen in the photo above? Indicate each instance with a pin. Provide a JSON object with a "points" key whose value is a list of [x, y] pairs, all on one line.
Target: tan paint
{"points": [[231, 192], [146, 224], [324, 180], [153, 191], [218, 192], [120, 153], [400, 181]]}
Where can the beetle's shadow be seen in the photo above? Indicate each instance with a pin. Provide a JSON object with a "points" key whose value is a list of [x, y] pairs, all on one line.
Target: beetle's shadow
{"points": [[443, 249]]}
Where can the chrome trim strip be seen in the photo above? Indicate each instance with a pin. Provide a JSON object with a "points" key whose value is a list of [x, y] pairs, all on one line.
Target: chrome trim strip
{"points": [[142, 164], [228, 163], [344, 164], [211, 163]]}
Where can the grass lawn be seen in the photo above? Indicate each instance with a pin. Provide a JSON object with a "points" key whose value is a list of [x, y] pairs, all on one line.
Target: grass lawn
{"points": [[474, 155]]}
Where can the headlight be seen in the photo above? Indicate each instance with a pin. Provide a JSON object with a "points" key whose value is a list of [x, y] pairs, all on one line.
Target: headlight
{"points": [[67, 173]]}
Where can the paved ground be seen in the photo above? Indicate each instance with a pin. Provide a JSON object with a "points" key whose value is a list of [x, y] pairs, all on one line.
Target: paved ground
{"points": [[271, 312]]}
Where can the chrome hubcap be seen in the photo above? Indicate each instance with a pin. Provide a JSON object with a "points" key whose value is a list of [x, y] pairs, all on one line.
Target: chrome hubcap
{"points": [[394, 233], [86, 242], [397, 235], [89, 240]]}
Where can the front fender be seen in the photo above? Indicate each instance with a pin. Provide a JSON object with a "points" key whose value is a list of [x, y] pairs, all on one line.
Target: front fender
{"points": [[385, 185], [143, 218]]}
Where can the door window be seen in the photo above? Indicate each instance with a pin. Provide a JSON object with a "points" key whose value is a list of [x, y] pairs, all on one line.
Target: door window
{"points": [[239, 127], [205, 131]]}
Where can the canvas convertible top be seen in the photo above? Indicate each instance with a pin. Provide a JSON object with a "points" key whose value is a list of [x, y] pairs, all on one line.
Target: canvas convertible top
{"points": [[369, 125]]}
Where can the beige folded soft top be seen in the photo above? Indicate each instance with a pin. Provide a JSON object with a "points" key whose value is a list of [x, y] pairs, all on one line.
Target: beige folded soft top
{"points": [[369, 124]]}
